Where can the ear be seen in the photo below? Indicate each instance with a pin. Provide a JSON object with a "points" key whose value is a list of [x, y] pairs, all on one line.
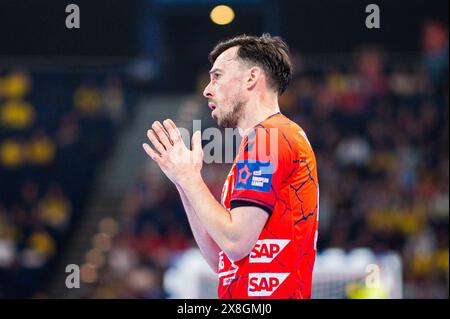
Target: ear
{"points": [[253, 76]]}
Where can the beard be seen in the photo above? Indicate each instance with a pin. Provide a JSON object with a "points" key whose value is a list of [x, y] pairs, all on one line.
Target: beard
{"points": [[231, 118]]}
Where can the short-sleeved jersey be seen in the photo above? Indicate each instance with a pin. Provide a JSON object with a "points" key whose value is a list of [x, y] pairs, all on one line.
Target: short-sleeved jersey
{"points": [[275, 169]]}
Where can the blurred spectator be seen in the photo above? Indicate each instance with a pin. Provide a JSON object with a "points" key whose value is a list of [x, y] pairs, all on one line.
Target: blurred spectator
{"points": [[54, 208], [7, 241], [42, 243], [41, 149], [16, 114], [68, 130], [435, 50], [16, 84], [123, 257], [113, 99], [11, 153], [353, 151], [371, 70], [87, 99]]}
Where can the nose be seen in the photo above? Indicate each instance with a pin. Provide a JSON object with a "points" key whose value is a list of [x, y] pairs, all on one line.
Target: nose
{"points": [[207, 93]]}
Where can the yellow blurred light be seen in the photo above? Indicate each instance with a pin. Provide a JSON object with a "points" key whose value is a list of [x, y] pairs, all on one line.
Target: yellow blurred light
{"points": [[222, 15]]}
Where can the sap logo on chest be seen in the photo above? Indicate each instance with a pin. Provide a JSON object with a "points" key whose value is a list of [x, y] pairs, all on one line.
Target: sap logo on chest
{"points": [[264, 284], [266, 250]]}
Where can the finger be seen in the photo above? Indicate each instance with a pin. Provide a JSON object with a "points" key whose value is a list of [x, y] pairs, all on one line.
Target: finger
{"points": [[156, 142], [197, 147], [171, 128], [175, 128], [162, 134], [153, 155]]}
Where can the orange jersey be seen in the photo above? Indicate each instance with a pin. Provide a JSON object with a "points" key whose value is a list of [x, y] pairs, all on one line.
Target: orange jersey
{"points": [[275, 170]]}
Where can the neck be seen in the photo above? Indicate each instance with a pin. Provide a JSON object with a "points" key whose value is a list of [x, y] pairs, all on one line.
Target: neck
{"points": [[257, 110]]}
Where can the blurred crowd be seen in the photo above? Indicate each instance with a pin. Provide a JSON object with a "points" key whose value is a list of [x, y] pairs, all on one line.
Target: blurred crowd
{"points": [[55, 129], [379, 128], [380, 133]]}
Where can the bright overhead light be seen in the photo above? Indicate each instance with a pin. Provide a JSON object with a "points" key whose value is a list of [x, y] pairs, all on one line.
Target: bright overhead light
{"points": [[222, 15]]}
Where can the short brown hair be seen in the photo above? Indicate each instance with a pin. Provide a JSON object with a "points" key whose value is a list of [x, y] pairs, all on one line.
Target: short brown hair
{"points": [[270, 53]]}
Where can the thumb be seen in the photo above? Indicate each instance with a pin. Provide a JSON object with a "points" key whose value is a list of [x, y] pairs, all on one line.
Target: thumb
{"points": [[197, 147]]}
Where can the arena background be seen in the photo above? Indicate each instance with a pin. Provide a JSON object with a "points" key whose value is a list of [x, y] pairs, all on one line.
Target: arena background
{"points": [[76, 187]]}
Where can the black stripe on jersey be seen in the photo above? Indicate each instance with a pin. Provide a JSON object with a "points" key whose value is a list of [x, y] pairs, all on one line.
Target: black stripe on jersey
{"points": [[244, 203], [252, 199]]}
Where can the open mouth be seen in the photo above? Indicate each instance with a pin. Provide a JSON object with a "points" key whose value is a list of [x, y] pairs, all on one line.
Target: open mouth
{"points": [[212, 108]]}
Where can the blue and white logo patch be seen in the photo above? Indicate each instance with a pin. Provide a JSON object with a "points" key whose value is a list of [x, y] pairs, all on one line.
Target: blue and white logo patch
{"points": [[254, 175]]}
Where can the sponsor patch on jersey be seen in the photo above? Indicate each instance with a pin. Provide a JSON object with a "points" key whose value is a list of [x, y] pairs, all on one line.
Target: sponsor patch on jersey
{"points": [[264, 284], [266, 250], [254, 175], [227, 269]]}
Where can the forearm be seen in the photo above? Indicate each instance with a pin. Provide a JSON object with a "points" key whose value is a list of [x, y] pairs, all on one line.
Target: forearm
{"points": [[210, 250], [212, 215]]}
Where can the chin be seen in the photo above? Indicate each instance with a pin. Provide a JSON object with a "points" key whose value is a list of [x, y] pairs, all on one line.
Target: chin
{"points": [[221, 124]]}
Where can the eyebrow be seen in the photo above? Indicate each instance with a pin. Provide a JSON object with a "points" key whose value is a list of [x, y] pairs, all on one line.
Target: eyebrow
{"points": [[215, 70]]}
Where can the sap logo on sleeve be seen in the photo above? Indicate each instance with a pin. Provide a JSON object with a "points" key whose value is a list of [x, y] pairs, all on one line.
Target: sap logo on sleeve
{"points": [[264, 284], [266, 250], [254, 175]]}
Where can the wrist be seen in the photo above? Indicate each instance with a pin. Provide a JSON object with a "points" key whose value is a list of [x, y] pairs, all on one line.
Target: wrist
{"points": [[190, 181]]}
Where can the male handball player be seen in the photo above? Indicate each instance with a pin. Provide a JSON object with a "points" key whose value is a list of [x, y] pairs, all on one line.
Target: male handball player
{"points": [[261, 239]]}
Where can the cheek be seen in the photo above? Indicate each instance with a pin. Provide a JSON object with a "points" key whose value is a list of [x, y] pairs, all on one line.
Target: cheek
{"points": [[227, 92], [230, 91], [222, 93]]}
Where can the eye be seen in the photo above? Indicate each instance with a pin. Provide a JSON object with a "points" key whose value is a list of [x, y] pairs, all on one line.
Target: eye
{"points": [[216, 75]]}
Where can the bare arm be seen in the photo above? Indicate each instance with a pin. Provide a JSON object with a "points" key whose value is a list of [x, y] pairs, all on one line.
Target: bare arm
{"points": [[208, 247], [235, 232]]}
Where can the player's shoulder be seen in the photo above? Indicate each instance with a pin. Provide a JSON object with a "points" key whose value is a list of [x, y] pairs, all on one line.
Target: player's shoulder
{"points": [[281, 122], [289, 131]]}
